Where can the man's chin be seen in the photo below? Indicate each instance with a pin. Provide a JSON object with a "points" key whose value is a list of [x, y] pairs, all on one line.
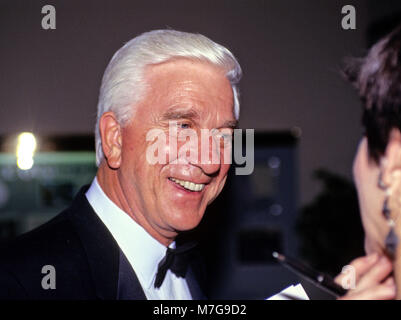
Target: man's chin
{"points": [[185, 223]]}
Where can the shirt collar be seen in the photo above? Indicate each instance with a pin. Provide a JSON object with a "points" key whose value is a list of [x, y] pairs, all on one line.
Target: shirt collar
{"points": [[142, 251]]}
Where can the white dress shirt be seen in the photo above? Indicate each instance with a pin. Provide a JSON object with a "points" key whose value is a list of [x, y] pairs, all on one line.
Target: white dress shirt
{"points": [[142, 251]]}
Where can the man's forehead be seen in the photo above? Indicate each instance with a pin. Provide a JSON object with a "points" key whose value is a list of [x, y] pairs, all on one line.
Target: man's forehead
{"points": [[184, 85]]}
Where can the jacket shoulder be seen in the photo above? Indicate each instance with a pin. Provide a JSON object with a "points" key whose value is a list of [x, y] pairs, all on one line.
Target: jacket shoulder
{"points": [[53, 251]]}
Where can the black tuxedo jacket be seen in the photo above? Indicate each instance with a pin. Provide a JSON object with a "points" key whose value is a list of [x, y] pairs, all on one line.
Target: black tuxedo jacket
{"points": [[87, 260]]}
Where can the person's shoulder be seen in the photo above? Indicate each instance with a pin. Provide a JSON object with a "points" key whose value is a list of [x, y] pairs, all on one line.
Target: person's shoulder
{"points": [[52, 237], [53, 247]]}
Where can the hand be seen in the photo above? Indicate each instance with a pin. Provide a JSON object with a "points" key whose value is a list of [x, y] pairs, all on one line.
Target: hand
{"points": [[372, 279]]}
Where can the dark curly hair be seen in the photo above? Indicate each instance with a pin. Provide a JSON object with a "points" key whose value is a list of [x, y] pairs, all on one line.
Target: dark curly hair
{"points": [[377, 77]]}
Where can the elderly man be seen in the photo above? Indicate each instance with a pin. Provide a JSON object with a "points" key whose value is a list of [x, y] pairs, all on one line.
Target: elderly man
{"points": [[117, 240]]}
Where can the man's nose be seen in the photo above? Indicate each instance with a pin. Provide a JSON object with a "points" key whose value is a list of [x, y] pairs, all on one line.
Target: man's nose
{"points": [[209, 157]]}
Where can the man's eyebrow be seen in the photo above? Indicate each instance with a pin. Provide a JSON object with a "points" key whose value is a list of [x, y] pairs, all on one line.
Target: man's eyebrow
{"points": [[176, 114], [233, 124], [192, 114]]}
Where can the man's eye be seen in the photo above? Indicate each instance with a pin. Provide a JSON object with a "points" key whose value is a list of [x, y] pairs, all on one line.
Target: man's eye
{"points": [[183, 125]]}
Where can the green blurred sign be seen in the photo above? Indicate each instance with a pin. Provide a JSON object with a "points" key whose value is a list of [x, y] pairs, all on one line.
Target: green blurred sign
{"points": [[30, 197]]}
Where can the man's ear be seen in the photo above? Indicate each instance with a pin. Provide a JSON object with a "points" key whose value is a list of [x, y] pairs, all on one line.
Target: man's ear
{"points": [[391, 162], [111, 135]]}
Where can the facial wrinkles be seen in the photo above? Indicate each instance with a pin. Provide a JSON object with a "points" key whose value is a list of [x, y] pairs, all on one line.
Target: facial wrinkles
{"points": [[188, 93], [156, 224], [136, 167], [189, 97], [204, 98], [134, 206]]}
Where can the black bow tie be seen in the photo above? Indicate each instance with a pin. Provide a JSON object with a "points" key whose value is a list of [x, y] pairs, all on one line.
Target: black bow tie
{"points": [[177, 260]]}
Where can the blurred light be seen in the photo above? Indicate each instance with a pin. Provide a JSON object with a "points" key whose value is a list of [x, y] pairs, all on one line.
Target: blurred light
{"points": [[26, 148], [25, 163]]}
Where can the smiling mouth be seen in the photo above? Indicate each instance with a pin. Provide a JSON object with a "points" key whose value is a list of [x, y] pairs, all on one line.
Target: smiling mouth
{"points": [[188, 185]]}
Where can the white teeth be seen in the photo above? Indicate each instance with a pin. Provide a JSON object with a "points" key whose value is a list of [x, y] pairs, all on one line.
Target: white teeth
{"points": [[189, 185]]}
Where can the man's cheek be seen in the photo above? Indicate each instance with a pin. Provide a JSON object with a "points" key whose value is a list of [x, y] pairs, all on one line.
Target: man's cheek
{"points": [[221, 184], [224, 171]]}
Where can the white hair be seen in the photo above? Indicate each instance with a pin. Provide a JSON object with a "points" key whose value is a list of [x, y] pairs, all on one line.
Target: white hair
{"points": [[123, 84]]}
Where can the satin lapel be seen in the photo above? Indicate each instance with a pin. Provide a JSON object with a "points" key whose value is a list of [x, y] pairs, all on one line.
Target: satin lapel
{"points": [[129, 287], [101, 249], [193, 285], [196, 276]]}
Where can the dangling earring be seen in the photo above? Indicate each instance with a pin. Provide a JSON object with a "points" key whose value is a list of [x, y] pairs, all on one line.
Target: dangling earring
{"points": [[392, 240]]}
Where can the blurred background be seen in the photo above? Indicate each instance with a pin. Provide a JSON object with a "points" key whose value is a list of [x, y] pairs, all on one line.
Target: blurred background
{"points": [[299, 200]]}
